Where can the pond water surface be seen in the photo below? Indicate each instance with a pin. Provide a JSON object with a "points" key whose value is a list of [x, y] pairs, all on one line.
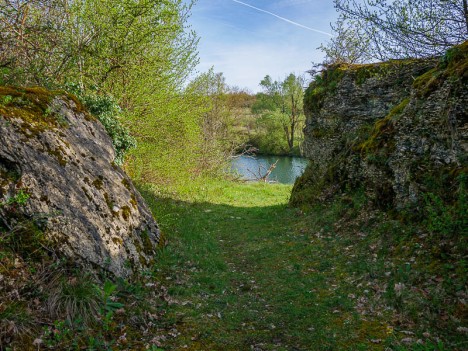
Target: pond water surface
{"points": [[252, 168]]}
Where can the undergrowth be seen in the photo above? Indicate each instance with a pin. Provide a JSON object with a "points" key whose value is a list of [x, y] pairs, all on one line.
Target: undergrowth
{"points": [[247, 272], [48, 303], [244, 271]]}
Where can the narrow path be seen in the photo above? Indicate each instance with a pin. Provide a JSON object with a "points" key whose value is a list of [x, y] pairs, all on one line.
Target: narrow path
{"points": [[245, 272]]}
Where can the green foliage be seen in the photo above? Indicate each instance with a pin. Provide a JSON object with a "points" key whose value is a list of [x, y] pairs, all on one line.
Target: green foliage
{"points": [[323, 84], [110, 306], [139, 52], [6, 99], [282, 115], [448, 220], [25, 238], [348, 45], [108, 112], [452, 66], [20, 234], [382, 134], [429, 346], [149, 33], [270, 138], [20, 199], [216, 140]]}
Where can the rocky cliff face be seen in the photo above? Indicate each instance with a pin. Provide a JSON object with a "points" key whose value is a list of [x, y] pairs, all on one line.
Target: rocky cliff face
{"points": [[59, 156], [396, 129]]}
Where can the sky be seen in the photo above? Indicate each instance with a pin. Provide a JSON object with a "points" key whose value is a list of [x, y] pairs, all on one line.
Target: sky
{"points": [[249, 39]]}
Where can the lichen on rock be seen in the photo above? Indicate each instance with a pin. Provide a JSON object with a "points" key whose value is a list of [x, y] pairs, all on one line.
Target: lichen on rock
{"points": [[385, 127], [52, 149]]}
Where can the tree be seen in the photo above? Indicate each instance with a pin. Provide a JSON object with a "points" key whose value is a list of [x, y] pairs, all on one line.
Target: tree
{"points": [[129, 48], [400, 28], [349, 45], [215, 146], [137, 52], [281, 103]]}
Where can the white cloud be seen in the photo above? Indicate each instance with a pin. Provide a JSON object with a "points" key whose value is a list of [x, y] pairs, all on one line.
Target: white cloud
{"points": [[245, 65], [246, 44]]}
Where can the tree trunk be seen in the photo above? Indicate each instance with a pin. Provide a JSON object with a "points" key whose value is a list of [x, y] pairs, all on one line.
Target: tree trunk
{"points": [[293, 123]]}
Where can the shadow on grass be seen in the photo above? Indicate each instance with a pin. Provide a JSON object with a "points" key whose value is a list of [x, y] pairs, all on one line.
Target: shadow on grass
{"points": [[253, 278]]}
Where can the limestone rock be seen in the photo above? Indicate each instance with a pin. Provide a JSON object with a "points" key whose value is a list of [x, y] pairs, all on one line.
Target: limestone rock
{"points": [[56, 152], [396, 129]]}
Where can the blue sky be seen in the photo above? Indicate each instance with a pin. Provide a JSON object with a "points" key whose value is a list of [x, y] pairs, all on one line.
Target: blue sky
{"points": [[246, 44]]}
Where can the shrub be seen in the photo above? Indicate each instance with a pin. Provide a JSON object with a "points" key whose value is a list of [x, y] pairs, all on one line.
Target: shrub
{"points": [[107, 111]]}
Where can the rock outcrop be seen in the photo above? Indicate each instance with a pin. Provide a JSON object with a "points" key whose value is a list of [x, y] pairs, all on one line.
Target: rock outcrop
{"points": [[396, 129], [60, 156]]}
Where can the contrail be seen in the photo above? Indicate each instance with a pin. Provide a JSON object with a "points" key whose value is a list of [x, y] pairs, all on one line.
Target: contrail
{"points": [[284, 19]]}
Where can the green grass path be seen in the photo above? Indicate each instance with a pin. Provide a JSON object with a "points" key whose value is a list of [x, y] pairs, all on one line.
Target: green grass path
{"points": [[246, 272]]}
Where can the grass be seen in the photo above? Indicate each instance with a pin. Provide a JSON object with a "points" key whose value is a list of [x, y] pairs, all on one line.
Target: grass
{"points": [[247, 272], [244, 271]]}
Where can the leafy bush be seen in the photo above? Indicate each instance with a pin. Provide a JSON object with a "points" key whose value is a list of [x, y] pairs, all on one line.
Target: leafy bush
{"points": [[107, 111]]}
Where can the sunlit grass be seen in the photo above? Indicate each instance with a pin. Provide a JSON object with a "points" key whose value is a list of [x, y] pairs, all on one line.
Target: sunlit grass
{"points": [[249, 272]]}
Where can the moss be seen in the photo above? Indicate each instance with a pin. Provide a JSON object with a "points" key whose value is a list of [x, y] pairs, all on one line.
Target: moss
{"points": [[34, 106], [428, 82], [147, 244], [126, 183], [327, 82], [98, 182], [87, 194], [133, 201], [453, 65], [142, 260], [162, 240], [383, 130], [322, 132], [30, 105], [109, 202], [78, 106], [116, 240], [379, 70], [324, 84], [58, 153], [126, 212], [306, 188]]}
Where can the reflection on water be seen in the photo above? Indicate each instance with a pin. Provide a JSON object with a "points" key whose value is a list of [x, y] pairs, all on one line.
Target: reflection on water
{"points": [[286, 171]]}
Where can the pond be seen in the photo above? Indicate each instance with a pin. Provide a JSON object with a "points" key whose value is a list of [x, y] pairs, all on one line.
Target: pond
{"points": [[252, 168]]}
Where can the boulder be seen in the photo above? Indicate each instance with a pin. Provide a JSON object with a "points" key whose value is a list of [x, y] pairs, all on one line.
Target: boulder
{"points": [[54, 151]]}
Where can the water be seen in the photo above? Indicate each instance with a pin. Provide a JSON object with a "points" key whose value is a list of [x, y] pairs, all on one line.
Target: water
{"points": [[286, 171]]}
